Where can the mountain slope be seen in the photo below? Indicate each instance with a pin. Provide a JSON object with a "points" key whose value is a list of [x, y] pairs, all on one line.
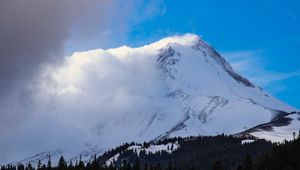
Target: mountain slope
{"points": [[178, 86]]}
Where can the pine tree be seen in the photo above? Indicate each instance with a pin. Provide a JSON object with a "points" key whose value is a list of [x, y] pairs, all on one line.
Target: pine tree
{"points": [[145, 166], [136, 165], [158, 167], [218, 166], [239, 167], [62, 164], [39, 164], [20, 167], [111, 166], [81, 164], [43, 167], [248, 163], [88, 166], [49, 166], [29, 167], [170, 167], [128, 166], [124, 164], [294, 135], [95, 163], [70, 167], [145, 145]]}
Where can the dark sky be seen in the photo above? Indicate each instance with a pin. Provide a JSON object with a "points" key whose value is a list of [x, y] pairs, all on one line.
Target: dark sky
{"points": [[33, 32], [36, 34]]}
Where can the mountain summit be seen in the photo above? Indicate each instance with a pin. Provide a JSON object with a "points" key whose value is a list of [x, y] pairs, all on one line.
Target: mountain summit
{"points": [[178, 86]]}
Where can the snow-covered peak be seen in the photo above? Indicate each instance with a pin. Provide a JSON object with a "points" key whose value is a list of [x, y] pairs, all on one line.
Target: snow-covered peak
{"points": [[178, 86]]}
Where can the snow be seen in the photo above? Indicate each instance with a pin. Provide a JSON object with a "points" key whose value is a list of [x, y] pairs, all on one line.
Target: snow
{"points": [[112, 159], [247, 141], [153, 148], [165, 89], [43, 157]]}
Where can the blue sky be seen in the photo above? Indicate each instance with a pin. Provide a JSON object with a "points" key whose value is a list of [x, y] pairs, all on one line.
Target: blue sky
{"points": [[262, 34], [260, 38]]}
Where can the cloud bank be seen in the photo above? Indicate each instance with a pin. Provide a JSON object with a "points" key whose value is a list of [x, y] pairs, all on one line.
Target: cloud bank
{"points": [[33, 32], [37, 32], [97, 87], [35, 35]]}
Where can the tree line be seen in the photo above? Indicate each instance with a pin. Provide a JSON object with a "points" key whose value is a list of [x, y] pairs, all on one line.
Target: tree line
{"points": [[195, 153]]}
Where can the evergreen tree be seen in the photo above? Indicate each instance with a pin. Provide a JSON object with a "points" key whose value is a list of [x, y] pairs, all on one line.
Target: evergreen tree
{"points": [[49, 166], [70, 167], [218, 166], [158, 167], [248, 163], [88, 166], [111, 166], [43, 167], [146, 166], [124, 164], [20, 167], [39, 164], [136, 165], [76, 163], [239, 167], [128, 166], [294, 135], [170, 167], [80, 164], [146, 145], [95, 163], [29, 167], [62, 164]]}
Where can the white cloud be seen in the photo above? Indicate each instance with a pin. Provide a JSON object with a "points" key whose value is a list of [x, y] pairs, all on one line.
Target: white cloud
{"points": [[27, 112], [89, 89]]}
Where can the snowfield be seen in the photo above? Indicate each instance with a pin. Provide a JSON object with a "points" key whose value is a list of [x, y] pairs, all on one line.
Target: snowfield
{"points": [[178, 86]]}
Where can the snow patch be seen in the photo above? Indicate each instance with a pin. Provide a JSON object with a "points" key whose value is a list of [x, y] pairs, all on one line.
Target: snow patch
{"points": [[247, 141], [170, 147]]}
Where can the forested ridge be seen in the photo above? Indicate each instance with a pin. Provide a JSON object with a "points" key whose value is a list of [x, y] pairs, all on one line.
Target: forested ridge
{"points": [[195, 153]]}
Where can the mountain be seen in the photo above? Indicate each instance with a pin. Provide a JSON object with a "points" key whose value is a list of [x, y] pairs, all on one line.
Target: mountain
{"points": [[178, 86]]}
